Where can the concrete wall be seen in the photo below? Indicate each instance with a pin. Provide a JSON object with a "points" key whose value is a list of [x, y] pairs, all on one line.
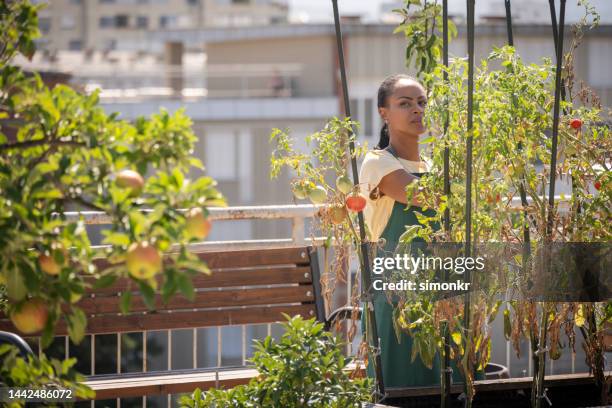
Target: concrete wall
{"points": [[314, 54]]}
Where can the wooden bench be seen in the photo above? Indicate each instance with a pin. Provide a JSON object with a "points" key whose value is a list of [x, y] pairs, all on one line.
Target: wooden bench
{"points": [[245, 287]]}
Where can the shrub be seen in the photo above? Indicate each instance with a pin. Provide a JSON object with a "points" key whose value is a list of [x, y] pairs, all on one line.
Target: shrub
{"points": [[305, 368]]}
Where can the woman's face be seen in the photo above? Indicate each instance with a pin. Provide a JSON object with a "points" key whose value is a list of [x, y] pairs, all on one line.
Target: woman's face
{"points": [[405, 108]]}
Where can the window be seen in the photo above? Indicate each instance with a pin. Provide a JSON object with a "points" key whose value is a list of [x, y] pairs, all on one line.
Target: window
{"points": [[67, 22], [107, 22], [142, 22], [122, 21], [221, 166], [44, 23], [75, 45], [353, 105], [167, 21]]}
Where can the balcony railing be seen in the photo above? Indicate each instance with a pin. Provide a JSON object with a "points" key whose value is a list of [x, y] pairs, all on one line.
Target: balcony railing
{"points": [[298, 214]]}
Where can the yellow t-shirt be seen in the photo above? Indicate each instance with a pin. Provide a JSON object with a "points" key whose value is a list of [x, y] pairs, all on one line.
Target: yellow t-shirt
{"points": [[376, 165]]}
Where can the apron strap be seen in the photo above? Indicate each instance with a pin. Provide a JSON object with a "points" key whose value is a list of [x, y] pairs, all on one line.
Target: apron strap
{"points": [[391, 150]]}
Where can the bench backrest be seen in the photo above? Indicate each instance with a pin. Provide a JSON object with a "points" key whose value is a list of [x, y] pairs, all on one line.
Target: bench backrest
{"points": [[245, 287]]}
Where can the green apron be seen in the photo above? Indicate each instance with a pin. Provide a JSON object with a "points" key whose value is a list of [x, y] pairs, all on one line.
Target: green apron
{"points": [[397, 368]]}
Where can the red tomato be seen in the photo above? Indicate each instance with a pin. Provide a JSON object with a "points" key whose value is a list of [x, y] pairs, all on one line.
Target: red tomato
{"points": [[597, 185], [355, 202], [576, 123]]}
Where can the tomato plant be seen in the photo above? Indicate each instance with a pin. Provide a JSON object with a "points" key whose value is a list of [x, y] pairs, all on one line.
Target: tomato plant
{"points": [[512, 105], [312, 171]]}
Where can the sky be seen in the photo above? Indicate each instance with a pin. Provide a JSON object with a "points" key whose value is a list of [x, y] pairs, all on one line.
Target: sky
{"points": [[321, 10]]}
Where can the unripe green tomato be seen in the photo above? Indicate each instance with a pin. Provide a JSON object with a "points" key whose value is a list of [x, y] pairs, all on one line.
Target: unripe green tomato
{"points": [[344, 184], [318, 195], [299, 192]]}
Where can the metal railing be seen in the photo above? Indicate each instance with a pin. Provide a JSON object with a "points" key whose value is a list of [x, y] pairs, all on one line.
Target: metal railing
{"points": [[296, 213]]}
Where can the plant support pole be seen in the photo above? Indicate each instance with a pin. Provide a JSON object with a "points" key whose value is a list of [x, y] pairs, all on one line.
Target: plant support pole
{"points": [[541, 394], [555, 129], [445, 397], [522, 193], [468, 184], [365, 258], [509, 23], [553, 18]]}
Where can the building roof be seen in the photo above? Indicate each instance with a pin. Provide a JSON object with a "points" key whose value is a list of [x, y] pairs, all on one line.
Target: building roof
{"points": [[215, 35]]}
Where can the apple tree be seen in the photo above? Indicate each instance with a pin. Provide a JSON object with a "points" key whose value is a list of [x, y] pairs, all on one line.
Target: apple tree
{"points": [[60, 151]]}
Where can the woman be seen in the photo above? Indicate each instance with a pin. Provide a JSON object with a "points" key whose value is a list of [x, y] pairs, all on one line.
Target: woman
{"points": [[386, 171]]}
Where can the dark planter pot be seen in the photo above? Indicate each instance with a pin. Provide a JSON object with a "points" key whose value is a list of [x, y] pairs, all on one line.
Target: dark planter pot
{"points": [[496, 371]]}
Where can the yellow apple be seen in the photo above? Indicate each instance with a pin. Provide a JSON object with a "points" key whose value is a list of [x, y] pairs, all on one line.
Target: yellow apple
{"points": [[31, 316], [143, 260], [197, 226], [49, 265], [130, 179]]}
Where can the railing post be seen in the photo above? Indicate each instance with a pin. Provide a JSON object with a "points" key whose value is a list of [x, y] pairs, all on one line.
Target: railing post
{"points": [[297, 230]]}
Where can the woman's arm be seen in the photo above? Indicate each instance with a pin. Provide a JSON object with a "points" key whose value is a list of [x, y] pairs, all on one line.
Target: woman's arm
{"points": [[394, 185]]}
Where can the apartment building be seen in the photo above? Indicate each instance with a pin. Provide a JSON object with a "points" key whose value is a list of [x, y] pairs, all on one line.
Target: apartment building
{"points": [[89, 25]]}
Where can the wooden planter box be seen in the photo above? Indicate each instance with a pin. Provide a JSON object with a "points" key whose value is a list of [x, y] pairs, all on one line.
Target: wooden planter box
{"points": [[565, 390]]}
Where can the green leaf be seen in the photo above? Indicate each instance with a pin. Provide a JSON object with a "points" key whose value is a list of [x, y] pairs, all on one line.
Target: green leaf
{"points": [[427, 140], [77, 322], [148, 294], [15, 285], [126, 301], [178, 177], [47, 167], [105, 281], [579, 317], [195, 162], [195, 265], [185, 286], [116, 238], [138, 222], [507, 324], [456, 336]]}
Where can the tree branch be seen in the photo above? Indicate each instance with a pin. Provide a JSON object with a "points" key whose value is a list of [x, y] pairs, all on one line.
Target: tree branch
{"points": [[38, 142], [87, 204]]}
